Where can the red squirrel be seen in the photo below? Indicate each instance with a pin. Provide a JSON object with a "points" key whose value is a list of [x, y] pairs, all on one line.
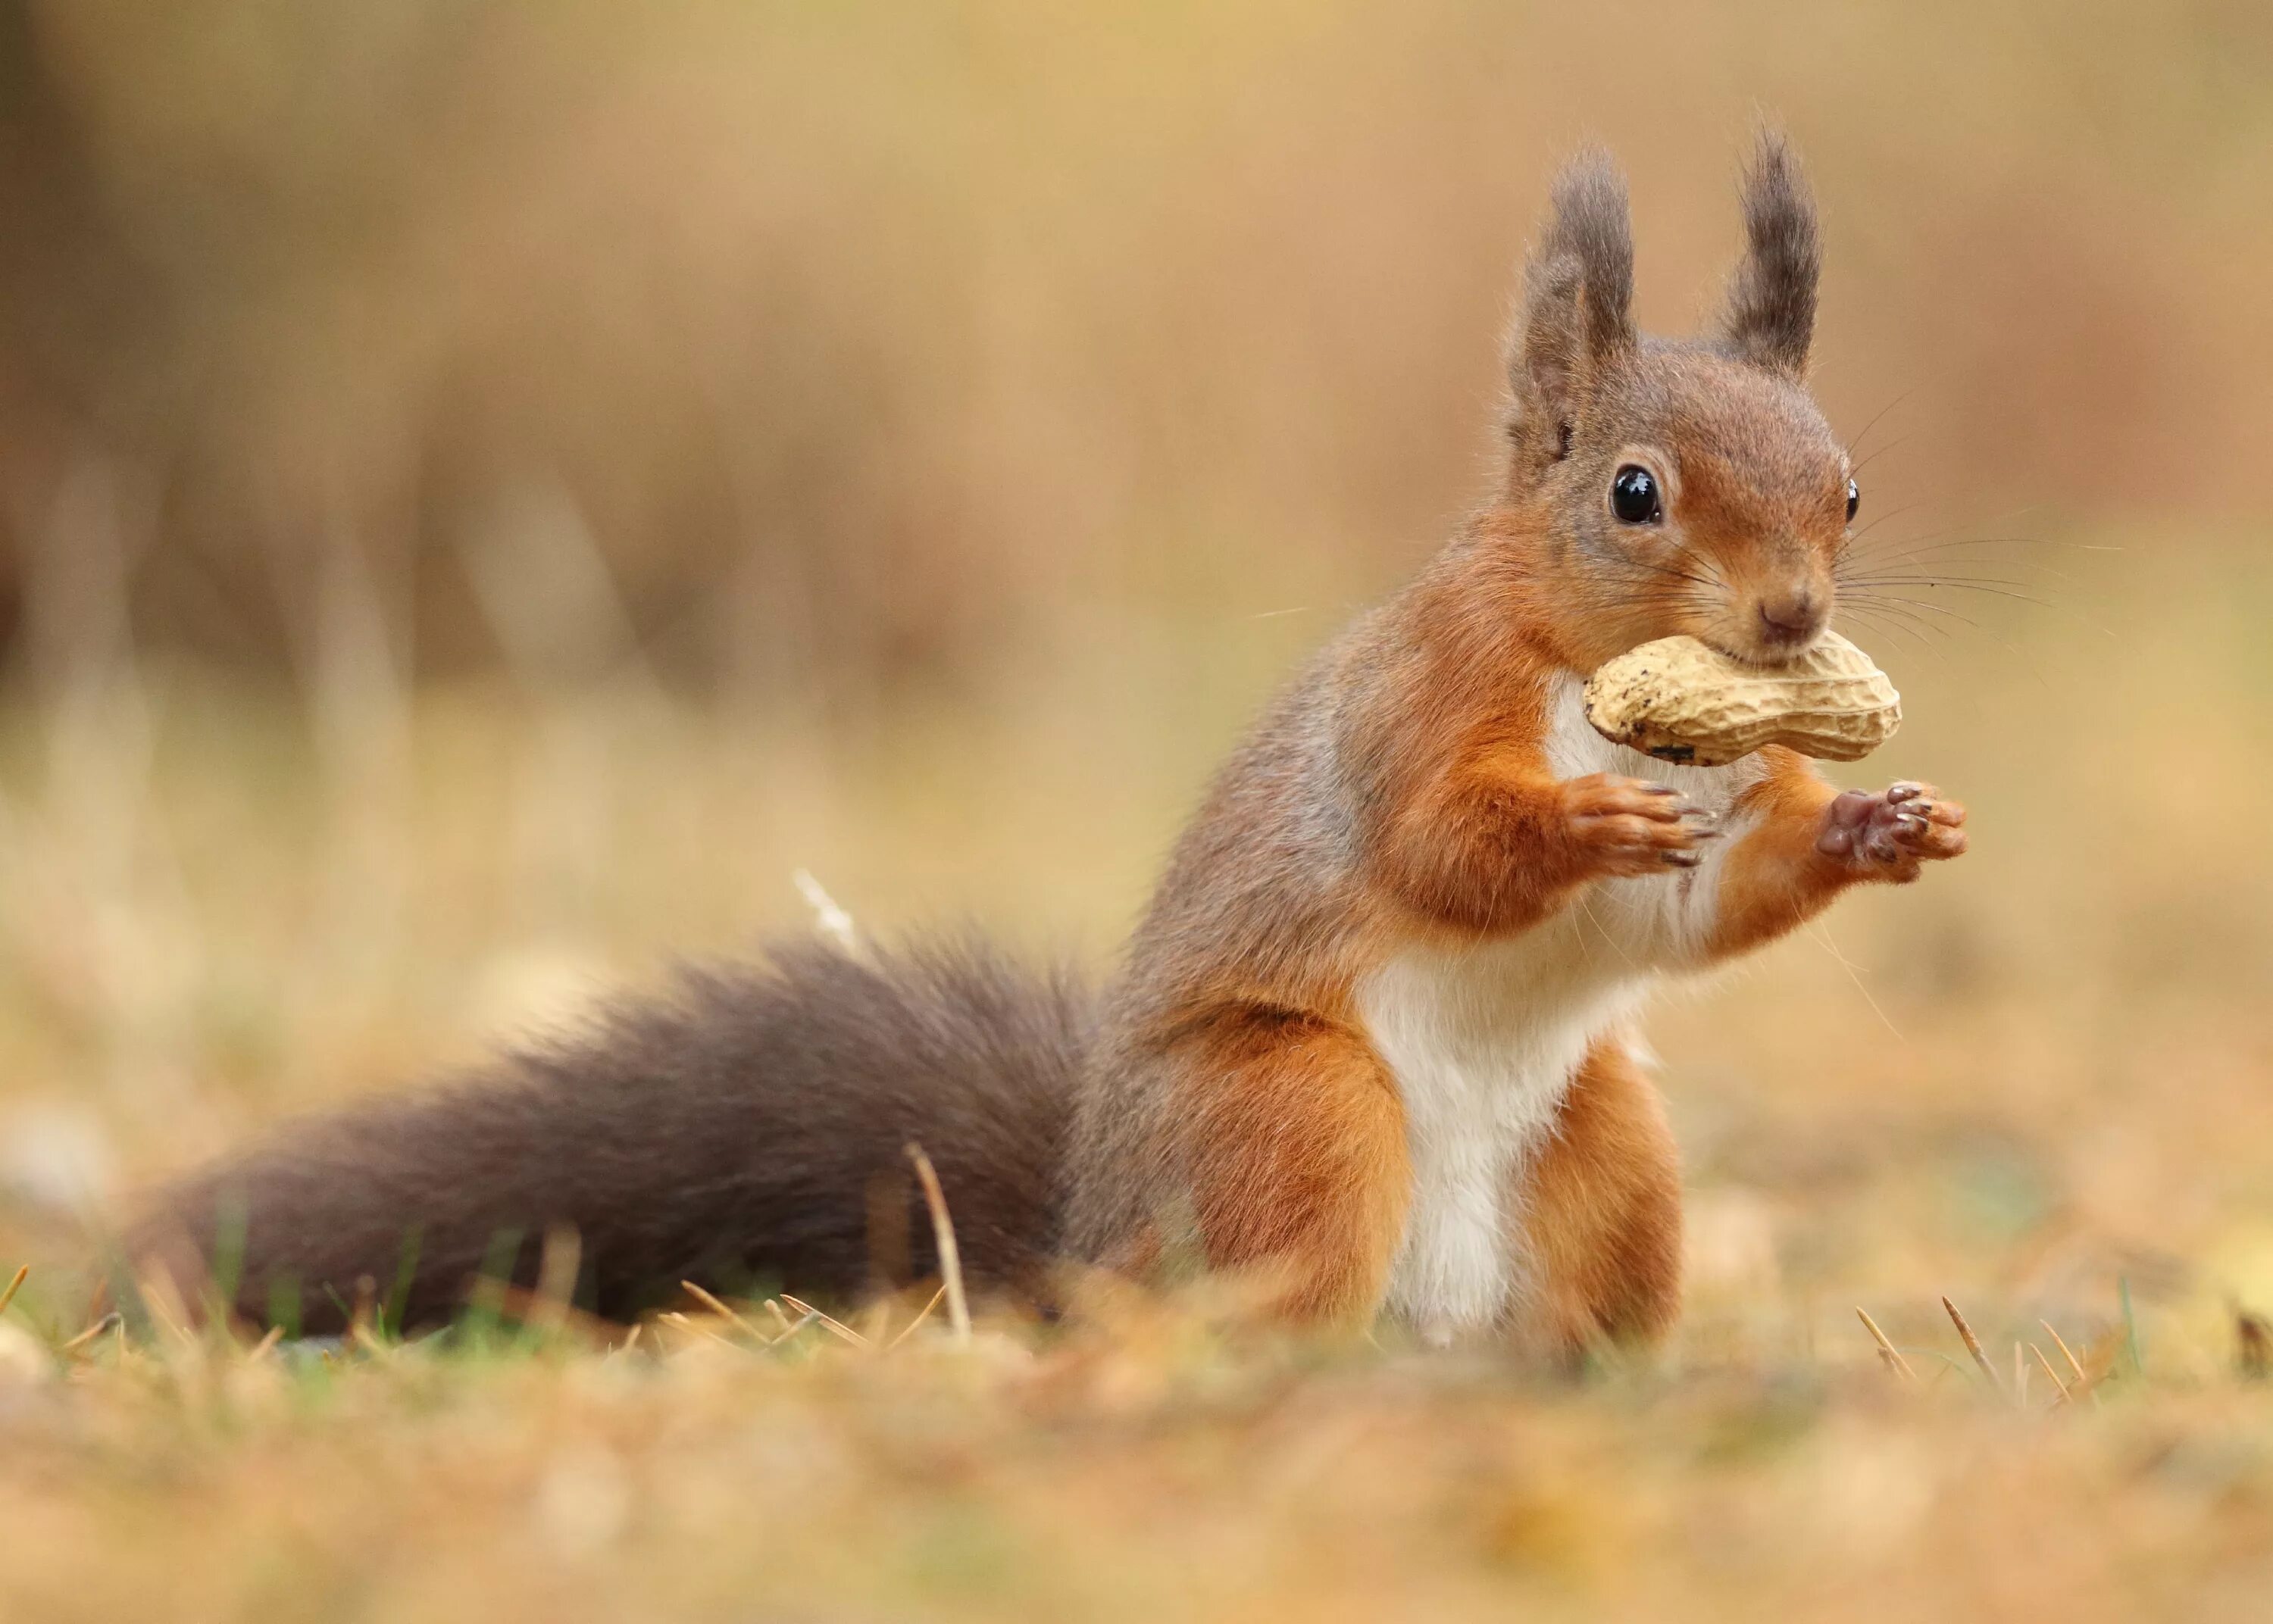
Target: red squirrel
{"points": [[1370, 1041]]}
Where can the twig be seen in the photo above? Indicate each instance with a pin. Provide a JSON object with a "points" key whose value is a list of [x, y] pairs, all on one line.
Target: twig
{"points": [[951, 1261], [1890, 1356], [8, 1295], [1973, 1346]]}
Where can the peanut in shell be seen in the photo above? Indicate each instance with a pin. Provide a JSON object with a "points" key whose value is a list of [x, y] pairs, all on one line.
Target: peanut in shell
{"points": [[1679, 699]]}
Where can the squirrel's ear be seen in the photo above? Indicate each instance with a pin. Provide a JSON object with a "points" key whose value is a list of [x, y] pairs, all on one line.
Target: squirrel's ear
{"points": [[1770, 316], [1578, 296]]}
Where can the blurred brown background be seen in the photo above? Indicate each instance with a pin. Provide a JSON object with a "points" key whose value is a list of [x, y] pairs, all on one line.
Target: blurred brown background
{"points": [[492, 491], [862, 338]]}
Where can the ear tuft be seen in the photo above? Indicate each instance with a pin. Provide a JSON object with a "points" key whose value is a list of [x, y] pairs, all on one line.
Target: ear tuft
{"points": [[1592, 224], [1770, 316], [1578, 295]]}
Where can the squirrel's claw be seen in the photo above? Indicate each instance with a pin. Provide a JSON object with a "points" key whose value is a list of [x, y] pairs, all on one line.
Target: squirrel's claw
{"points": [[1621, 826], [1897, 829]]}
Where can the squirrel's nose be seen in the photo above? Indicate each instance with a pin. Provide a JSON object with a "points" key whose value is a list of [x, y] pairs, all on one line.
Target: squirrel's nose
{"points": [[1791, 619]]}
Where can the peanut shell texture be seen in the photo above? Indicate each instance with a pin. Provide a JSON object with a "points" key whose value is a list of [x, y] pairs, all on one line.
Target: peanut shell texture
{"points": [[1679, 699]]}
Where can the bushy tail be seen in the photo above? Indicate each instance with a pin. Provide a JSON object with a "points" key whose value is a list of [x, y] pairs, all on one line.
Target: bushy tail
{"points": [[745, 1129]]}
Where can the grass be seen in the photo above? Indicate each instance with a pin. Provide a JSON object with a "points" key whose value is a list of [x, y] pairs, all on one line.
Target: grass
{"points": [[2034, 1088], [734, 1461]]}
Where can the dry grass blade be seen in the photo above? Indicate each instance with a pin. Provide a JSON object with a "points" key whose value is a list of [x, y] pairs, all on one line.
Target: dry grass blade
{"points": [[835, 1327], [539, 1312], [164, 1305], [909, 1329], [361, 1335], [789, 1327], [8, 1295], [1973, 1345], [2067, 1353], [1890, 1356], [951, 1261], [265, 1346], [108, 1321], [556, 1269], [717, 1306], [366, 1307], [695, 1327], [2057, 1384]]}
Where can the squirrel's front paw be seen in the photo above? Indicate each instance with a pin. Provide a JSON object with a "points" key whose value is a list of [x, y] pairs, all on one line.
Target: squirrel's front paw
{"points": [[1628, 825], [1893, 831]]}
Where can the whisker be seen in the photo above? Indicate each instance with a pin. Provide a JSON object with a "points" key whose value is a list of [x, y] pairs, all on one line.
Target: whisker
{"points": [[1912, 578], [1995, 589], [1938, 609], [1904, 614], [1853, 537], [1952, 552], [1893, 627], [1882, 450], [1931, 640], [1856, 445]]}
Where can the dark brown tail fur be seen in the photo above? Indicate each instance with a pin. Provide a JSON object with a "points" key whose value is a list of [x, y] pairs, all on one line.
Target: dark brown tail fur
{"points": [[738, 1131]]}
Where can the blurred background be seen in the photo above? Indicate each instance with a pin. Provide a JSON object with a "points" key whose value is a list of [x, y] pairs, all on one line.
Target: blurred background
{"points": [[490, 491]]}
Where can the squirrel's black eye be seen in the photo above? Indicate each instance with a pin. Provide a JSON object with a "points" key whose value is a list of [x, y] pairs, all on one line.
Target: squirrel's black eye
{"points": [[1853, 499], [1633, 495]]}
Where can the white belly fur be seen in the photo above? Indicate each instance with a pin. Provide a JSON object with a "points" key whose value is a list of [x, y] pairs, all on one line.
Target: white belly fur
{"points": [[1484, 1041]]}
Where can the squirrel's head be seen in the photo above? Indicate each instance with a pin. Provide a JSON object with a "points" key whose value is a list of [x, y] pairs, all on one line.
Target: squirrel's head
{"points": [[1679, 486]]}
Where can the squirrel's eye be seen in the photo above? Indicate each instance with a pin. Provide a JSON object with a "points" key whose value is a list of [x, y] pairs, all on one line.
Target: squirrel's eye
{"points": [[1633, 495], [1853, 499]]}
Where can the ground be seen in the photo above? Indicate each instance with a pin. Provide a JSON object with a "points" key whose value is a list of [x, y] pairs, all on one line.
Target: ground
{"points": [[2036, 1083]]}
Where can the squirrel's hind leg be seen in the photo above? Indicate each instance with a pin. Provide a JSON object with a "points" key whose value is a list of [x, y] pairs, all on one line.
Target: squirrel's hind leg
{"points": [[1294, 1150], [1601, 1213]]}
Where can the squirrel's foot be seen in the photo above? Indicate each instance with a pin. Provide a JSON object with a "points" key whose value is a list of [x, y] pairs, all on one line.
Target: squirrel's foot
{"points": [[1622, 827], [1894, 832]]}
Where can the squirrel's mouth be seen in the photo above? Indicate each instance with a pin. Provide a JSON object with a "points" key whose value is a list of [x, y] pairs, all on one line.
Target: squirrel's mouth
{"points": [[1772, 647], [1769, 660]]}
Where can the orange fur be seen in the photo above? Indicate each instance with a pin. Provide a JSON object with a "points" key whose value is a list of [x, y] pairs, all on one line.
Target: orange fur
{"points": [[1776, 879], [1296, 1146], [1600, 1212]]}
